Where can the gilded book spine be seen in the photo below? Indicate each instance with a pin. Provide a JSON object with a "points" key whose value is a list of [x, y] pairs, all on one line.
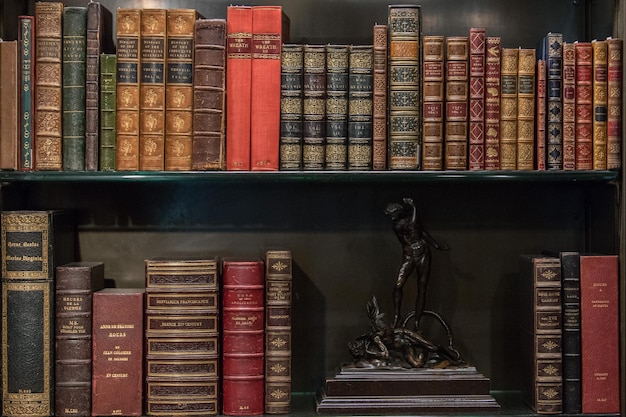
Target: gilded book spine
{"points": [[553, 54], [291, 98], [379, 121], [9, 97], [476, 151], [26, 85], [337, 64], [600, 102], [569, 106], [526, 109], [584, 105], [314, 107], [432, 120], [360, 114], [508, 109], [492, 102], [614, 109], [457, 96], [540, 122], [107, 98]]}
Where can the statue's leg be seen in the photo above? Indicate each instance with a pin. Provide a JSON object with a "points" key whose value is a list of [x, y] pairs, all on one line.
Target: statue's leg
{"points": [[423, 272], [405, 270]]}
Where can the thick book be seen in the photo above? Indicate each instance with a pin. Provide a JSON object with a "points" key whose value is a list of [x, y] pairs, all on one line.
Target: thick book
{"points": [[432, 103], [584, 105], [541, 333], [291, 100], [492, 102], [314, 107], [552, 53], [75, 284], [73, 99], [360, 107], [33, 244], [404, 110], [128, 22], [456, 139], [336, 138], [615, 88], [600, 102], [48, 86], [107, 112], [208, 147], [379, 121], [117, 338], [9, 97], [569, 106], [525, 152], [599, 321], [476, 150], [278, 304], [243, 335], [540, 116], [508, 108], [26, 84]]}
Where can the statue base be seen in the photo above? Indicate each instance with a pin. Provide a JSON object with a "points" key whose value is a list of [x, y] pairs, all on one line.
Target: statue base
{"points": [[383, 391]]}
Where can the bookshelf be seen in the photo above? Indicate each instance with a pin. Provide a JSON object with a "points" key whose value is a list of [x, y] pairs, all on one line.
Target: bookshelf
{"points": [[343, 246]]}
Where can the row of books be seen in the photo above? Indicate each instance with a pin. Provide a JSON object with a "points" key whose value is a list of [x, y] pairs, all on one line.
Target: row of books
{"points": [[206, 335]]}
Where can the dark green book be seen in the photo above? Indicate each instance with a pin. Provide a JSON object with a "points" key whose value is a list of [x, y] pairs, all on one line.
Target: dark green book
{"points": [[360, 107], [108, 71], [27, 105], [74, 73], [337, 63]]}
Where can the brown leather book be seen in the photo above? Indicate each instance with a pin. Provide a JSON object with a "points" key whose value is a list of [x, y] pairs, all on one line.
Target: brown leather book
{"points": [[615, 71], [540, 121], [379, 122], [508, 109], [600, 102], [9, 96], [492, 102], [569, 106], [584, 105], [457, 96], [526, 109], [432, 119], [476, 143]]}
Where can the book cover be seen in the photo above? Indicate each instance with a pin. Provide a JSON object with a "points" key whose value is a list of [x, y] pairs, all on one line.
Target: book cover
{"points": [[600, 102], [75, 284], [456, 102], [552, 53], [74, 92], [243, 335], [379, 121], [540, 118], [615, 48], [9, 97], [107, 109], [508, 108], [404, 109], [48, 86], [492, 102], [209, 95], [526, 109], [584, 105], [599, 321], [314, 108], [117, 337], [476, 151], [337, 86], [360, 110], [26, 62], [432, 105], [291, 101], [569, 106]]}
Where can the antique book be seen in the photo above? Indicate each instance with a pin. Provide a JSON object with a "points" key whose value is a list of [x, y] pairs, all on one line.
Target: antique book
{"points": [[379, 121], [117, 338], [526, 109], [541, 333], [540, 118], [152, 59], [432, 103], [238, 85], [26, 84], [291, 99], [243, 323], [600, 102], [107, 113], [9, 97], [599, 321], [99, 41], [456, 102], [615, 70], [492, 102], [208, 143], [179, 73], [128, 22], [336, 140], [75, 284], [278, 304], [360, 107], [270, 29], [552, 53], [33, 244], [48, 86], [476, 150], [584, 105], [404, 108], [314, 107], [569, 106], [508, 108], [73, 99]]}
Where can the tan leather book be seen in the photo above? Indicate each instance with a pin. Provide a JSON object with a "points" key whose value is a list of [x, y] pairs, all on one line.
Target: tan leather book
{"points": [[433, 110], [457, 99], [600, 102], [379, 121], [508, 109], [526, 109]]}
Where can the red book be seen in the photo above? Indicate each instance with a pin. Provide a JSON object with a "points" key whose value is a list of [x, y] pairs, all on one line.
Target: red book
{"points": [[599, 316], [117, 384], [243, 314], [477, 99], [540, 108], [614, 104], [270, 28], [238, 80]]}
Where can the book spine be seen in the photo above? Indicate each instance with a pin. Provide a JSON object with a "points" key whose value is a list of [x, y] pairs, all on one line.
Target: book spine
{"points": [[278, 299], [243, 322], [476, 151], [238, 85], [360, 107], [615, 48], [508, 109], [336, 141], [584, 105], [553, 54], [540, 123], [127, 94], [492, 102], [432, 106], [74, 92], [9, 97], [600, 102], [570, 265], [209, 95], [405, 140], [314, 108], [26, 85], [291, 101], [457, 96], [152, 61], [379, 121], [526, 109], [569, 106], [179, 89], [107, 98], [48, 86]]}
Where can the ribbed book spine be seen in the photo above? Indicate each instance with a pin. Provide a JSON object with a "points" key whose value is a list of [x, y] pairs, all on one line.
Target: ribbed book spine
{"points": [[379, 121], [508, 109], [600, 102], [314, 108], [492, 102], [291, 98], [9, 98], [553, 54], [570, 266], [476, 151], [26, 85], [569, 106], [526, 109], [540, 122], [584, 105], [360, 107], [457, 96], [614, 110], [433, 98], [107, 98], [336, 142]]}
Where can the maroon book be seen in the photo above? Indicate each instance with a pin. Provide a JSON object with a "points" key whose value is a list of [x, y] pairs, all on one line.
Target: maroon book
{"points": [[477, 99]]}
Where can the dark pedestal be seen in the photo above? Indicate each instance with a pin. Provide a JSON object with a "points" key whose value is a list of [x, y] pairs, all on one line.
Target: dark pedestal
{"points": [[380, 391]]}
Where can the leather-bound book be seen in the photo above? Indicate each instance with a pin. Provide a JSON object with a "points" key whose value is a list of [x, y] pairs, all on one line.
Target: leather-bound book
{"points": [[360, 107], [541, 333], [291, 98], [457, 96], [75, 284], [405, 32], [9, 97], [26, 63], [117, 383], [128, 22], [278, 299], [152, 59], [33, 244], [99, 41], [584, 105], [476, 151], [379, 121], [552, 53], [508, 109], [336, 141], [614, 128], [432, 120], [48, 86], [600, 102], [209, 106], [526, 109], [569, 106], [599, 320], [243, 323], [106, 108], [270, 29], [492, 102], [74, 71], [238, 85], [540, 118], [314, 108]]}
